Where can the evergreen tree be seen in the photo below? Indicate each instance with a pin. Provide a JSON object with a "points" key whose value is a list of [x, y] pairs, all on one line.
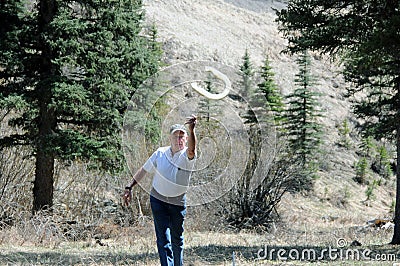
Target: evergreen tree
{"points": [[344, 134], [362, 170], [367, 146], [247, 74], [302, 128], [248, 92], [68, 70], [273, 97], [382, 162], [365, 34]]}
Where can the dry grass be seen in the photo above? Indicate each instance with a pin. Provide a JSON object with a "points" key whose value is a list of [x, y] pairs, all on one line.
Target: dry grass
{"points": [[43, 240], [136, 246]]}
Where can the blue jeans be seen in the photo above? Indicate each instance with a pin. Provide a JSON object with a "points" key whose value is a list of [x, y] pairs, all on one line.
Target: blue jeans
{"points": [[168, 223]]}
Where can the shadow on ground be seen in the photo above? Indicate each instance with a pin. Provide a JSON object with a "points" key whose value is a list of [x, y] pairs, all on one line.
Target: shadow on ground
{"points": [[63, 258]]}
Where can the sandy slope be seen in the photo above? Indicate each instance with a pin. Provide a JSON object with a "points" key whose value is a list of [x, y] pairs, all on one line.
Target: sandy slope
{"points": [[213, 29], [221, 31]]}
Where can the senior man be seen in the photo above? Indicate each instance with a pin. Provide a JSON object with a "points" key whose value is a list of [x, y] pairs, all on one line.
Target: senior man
{"points": [[171, 167]]}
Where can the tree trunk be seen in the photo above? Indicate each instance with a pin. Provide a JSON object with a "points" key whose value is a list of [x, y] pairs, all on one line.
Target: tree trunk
{"points": [[396, 233], [43, 184], [44, 175]]}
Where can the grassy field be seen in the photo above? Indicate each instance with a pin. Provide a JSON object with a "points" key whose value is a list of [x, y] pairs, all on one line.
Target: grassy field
{"points": [[201, 249], [325, 243]]}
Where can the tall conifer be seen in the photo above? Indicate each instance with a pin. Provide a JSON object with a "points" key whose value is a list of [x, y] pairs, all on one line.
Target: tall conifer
{"points": [[67, 71], [272, 96], [365, 36], [302, 127]]}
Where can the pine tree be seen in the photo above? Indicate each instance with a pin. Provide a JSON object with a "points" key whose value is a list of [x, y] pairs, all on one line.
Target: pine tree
{"points": [[267, 86], [249, 93], [247, 74], [68, 70], [369, 50], [303, 131], [344, 134]]}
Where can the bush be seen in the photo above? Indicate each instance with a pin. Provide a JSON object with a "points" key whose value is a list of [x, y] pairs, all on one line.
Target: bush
{"points": [[247, 208], [16, 172]]}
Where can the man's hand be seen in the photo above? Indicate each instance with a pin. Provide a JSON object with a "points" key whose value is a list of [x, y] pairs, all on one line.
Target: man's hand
{"points": [[127, 196], [191, 121]]}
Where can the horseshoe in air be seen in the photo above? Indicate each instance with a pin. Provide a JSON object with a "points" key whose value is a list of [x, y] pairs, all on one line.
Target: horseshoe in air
{"points": [[214, 96]]}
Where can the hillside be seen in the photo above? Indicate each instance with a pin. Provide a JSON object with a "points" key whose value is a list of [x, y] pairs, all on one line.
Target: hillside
{"points": [[221, 31]]}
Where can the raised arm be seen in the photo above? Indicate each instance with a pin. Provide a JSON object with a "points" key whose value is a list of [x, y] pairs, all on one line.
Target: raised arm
{"points": [[192, 139]]}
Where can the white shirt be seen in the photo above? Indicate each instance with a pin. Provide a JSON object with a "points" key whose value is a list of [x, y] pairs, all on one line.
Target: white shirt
{"points": [[171, 173]]}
